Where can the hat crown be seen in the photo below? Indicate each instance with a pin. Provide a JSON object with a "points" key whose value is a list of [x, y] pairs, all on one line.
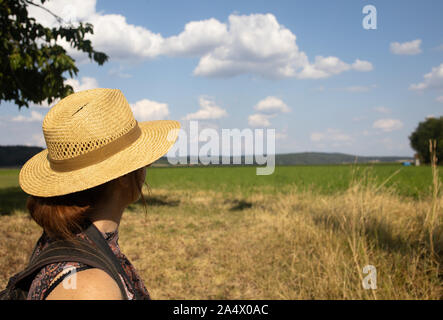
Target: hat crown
{"points": [[86, 121]]}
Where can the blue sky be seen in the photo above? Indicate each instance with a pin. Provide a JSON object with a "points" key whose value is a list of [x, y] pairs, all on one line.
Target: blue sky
{"points": [[306, 68]]}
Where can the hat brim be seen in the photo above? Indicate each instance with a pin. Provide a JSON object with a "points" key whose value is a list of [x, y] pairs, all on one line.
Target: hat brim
{"points": [[39, 179]]}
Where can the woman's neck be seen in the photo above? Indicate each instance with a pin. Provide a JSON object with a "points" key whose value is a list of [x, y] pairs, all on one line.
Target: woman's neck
{"points": [[107, 218]]}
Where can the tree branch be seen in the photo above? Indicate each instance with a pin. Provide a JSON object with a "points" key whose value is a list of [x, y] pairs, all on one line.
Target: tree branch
{"points": [[59, 19]]}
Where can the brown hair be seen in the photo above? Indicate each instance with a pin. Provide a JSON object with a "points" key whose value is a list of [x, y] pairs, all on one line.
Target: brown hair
{"points": [[61, 217]]}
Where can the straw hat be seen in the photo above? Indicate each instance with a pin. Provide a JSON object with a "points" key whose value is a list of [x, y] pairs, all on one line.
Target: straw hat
{"points": [[92, 137]]}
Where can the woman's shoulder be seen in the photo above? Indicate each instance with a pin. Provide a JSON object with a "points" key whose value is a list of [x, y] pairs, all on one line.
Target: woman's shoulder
{"points": [[41, 285], [90, 284]]}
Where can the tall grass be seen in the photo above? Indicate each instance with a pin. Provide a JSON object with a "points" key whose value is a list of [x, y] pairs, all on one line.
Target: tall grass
{"points": [[433, 219], [302, 244]]}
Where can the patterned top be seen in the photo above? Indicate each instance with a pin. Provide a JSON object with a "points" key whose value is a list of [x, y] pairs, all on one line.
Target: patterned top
{"points": [[41, 286]]}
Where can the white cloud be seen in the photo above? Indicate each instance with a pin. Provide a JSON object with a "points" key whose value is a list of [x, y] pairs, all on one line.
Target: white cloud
{"points": [[382, 109], [198, 38], [113, 35], [432, 80], [388, 125], [208, 110], [84, 83], [267, 108], [408, 48], [271, 105], [363, 66], [439, 99], [145, 110], [324, 67], [35, 116], [255, 44], [259, 120], [247, 44], [70, 11], [332, 136]]}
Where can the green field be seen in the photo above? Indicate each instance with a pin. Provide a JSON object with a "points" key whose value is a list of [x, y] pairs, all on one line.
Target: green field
{"points": [[408, 181], [412, 182]]}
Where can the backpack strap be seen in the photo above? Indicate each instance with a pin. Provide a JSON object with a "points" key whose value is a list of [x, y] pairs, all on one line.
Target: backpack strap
{"points": [[67, 250], [95, 235]]}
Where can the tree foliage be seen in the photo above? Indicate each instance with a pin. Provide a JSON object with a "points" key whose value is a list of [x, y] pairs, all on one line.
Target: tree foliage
{"points": [[32, 64], [432, 129]]}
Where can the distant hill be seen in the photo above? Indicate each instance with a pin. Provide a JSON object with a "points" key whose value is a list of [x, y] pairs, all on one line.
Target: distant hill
{"points": [[308, 158], [16, 156]]}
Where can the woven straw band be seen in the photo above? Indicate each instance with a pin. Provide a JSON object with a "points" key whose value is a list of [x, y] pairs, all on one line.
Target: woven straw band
{"points": [[97, 155]]}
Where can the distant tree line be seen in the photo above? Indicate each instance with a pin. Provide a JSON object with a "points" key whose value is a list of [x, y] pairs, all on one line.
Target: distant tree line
{"points": [[15, 156]]}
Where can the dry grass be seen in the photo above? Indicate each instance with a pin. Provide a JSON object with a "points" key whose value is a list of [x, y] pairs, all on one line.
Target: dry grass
{"points": [[205, 245]]}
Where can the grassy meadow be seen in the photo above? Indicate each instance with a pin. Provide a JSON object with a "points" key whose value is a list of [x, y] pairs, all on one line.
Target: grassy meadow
{"points": [[305, 232]]}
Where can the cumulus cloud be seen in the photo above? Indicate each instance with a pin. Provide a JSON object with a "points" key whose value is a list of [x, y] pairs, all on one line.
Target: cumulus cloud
{"points": [[208, 110], [247, 44], [259, 120], [198, 38], [271, 105], [331, 135], [364, 66], [267, 108], [439, 99], [432, 80], [84, 83], [388, 125], [406, 48], [146, 110], [324, 67], [35, 117], [256, 44]]}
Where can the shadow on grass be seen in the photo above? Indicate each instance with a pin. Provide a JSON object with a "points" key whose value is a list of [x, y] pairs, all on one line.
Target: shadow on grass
{"points": [[239, 205], [161, 201], [12, 199], [155, 201]]}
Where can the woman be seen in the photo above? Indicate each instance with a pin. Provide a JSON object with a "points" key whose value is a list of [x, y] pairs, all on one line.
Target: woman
{"points": [[93, 168]]}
